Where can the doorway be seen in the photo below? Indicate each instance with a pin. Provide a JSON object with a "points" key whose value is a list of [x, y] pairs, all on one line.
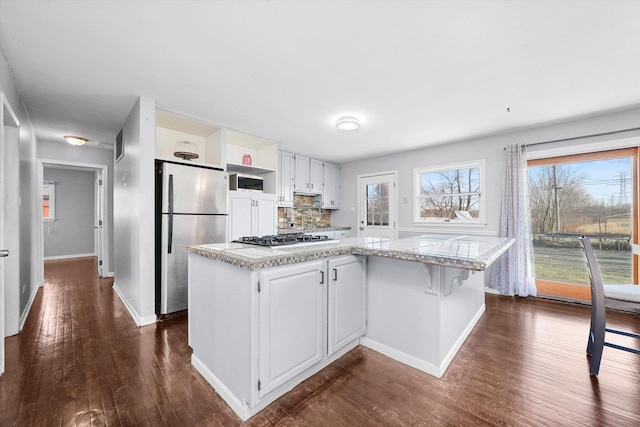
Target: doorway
{"points": [[54, 202], [9, 225], [377, 208]]}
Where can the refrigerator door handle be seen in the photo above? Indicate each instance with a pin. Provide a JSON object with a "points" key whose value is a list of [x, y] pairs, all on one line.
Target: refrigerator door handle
{"points": [[170, 218]]}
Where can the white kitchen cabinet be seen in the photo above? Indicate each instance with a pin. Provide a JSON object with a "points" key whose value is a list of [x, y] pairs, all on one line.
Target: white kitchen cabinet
{"points": [[341, 234], [308, 175], [292, 301], [285, 179], [251, 214], [347, 314], [300, 174], [316, 176], [331, 186]]}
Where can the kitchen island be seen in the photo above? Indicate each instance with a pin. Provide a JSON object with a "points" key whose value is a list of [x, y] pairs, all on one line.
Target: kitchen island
{"points": [[261, 320]]}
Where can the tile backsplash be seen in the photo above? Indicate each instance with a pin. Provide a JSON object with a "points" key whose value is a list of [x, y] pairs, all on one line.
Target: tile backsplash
{"points": [[304, 213]]}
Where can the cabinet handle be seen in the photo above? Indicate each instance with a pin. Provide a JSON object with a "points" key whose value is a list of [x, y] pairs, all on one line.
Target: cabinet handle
{"points": [[335, 274], [322, 277]]}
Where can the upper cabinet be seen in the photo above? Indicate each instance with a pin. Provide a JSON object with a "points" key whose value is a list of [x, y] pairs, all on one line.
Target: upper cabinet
{"points": [[331, 193], [184, 140], [307, 175], [316, 176], [285, 179]]}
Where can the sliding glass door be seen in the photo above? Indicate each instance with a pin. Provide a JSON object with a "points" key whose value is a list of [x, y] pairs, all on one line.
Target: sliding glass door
{"points": [[589, 194]]}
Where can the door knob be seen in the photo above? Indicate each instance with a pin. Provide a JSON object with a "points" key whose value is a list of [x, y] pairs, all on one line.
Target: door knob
{"points": [[4, 253]]}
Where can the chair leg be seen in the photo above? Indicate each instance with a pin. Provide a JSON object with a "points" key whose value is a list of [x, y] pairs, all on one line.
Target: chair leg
{"points": [[590, 340], [595, 346]]}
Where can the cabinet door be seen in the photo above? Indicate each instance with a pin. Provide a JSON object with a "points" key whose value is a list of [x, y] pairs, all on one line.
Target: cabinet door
{"points": [[315, 176], [331, 195], [347, 301], [266, 213], [301, 174], [291, 322], [240, 215], [285, 180]]}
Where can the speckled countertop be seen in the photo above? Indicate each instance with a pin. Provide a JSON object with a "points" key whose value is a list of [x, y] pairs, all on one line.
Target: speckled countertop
{"points": [[467, 252]]}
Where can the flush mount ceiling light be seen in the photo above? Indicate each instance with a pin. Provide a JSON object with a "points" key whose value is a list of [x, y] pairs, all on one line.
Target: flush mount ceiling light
{"points": [[75, 140], [348, 123]]}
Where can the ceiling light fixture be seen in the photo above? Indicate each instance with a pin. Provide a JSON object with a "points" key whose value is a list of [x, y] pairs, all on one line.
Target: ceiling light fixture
{"points": [[75, 140], [348, 123]]}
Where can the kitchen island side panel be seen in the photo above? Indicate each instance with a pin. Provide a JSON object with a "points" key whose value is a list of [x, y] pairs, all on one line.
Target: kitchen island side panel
{"points": [[403, 307], [221, 298], [462, 304]]}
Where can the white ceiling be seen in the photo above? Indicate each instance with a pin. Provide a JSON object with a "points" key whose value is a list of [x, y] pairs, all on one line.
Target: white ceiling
{"points": [[416, 73]]}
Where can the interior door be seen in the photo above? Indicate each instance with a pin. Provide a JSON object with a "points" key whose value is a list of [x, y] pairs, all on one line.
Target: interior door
{"points": [[377, 205], [3, 252], [98, 224]]}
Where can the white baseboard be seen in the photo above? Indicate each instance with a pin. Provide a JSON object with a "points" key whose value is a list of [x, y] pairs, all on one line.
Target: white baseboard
{"points": [[139, 320], [491, 291], [111, 274], [51, 258], [27, 309], [241, 407], [241, 410], [403, 357]]}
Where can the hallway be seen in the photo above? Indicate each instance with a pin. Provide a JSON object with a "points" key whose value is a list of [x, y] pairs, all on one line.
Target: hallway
{"points": [[81, 361]]}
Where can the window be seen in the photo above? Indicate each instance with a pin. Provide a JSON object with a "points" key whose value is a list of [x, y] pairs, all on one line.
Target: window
{"points": [[49, 201], [450, 194], [588, 194]]}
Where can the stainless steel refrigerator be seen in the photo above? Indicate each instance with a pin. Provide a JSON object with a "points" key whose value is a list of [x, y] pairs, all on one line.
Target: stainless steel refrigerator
{"points": [[191, 209]]}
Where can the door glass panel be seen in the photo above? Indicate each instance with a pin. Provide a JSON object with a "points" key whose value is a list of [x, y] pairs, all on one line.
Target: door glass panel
{"points": [[592, 198], [378, 204]]}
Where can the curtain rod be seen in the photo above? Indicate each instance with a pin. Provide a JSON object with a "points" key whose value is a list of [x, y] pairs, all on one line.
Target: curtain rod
{"points": [[583, 136]]}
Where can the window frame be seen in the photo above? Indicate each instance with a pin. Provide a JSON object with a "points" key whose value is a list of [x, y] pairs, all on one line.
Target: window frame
{"points": [[51, 185], [569, 290], [448, 222]]}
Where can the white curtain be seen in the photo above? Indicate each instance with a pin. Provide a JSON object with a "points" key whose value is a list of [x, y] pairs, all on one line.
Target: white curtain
{"points": [[513, 273]]}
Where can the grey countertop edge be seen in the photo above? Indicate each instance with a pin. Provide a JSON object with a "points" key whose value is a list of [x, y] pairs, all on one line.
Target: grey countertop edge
{"points": [[319, 253], [272, 261]]}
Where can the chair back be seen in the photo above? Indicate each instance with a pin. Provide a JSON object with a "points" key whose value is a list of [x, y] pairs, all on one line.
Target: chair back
{"points": [[598, 308]]}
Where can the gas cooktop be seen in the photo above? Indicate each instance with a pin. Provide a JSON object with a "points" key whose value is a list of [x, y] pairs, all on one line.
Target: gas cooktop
{"points": [[281, 239]]}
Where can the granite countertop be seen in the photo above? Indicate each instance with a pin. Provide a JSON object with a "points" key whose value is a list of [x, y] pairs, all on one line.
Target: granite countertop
{"points": [[288, 230], [466, 252]]}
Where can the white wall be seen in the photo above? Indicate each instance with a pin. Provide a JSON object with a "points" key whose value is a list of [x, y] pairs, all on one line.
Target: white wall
{"points": [[29, 271], [59, 150], [72, 232], [134, 229], [488, 148]]}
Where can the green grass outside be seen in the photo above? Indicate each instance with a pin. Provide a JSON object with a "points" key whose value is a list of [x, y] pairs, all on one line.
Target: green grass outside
{"points": [[568, 265]]}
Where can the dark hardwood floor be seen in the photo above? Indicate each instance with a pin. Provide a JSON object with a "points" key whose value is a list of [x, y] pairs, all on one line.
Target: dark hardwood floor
{"points": [[81, 361]]}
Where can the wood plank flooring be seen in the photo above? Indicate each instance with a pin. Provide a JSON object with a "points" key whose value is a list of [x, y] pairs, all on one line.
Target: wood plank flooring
{"points": [[81, 361]]}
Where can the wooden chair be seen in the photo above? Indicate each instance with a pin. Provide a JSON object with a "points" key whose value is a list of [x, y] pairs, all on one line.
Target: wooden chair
{"points": [[623, 296]]}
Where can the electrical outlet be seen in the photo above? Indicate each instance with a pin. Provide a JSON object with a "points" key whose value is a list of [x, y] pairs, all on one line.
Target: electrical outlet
{"points": [[24, 289]]}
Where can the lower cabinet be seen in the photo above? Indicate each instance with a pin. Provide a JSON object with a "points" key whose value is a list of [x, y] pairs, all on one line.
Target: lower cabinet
{"points": [[293, 318], [347, 314], [292, 301], [257, 334]]}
